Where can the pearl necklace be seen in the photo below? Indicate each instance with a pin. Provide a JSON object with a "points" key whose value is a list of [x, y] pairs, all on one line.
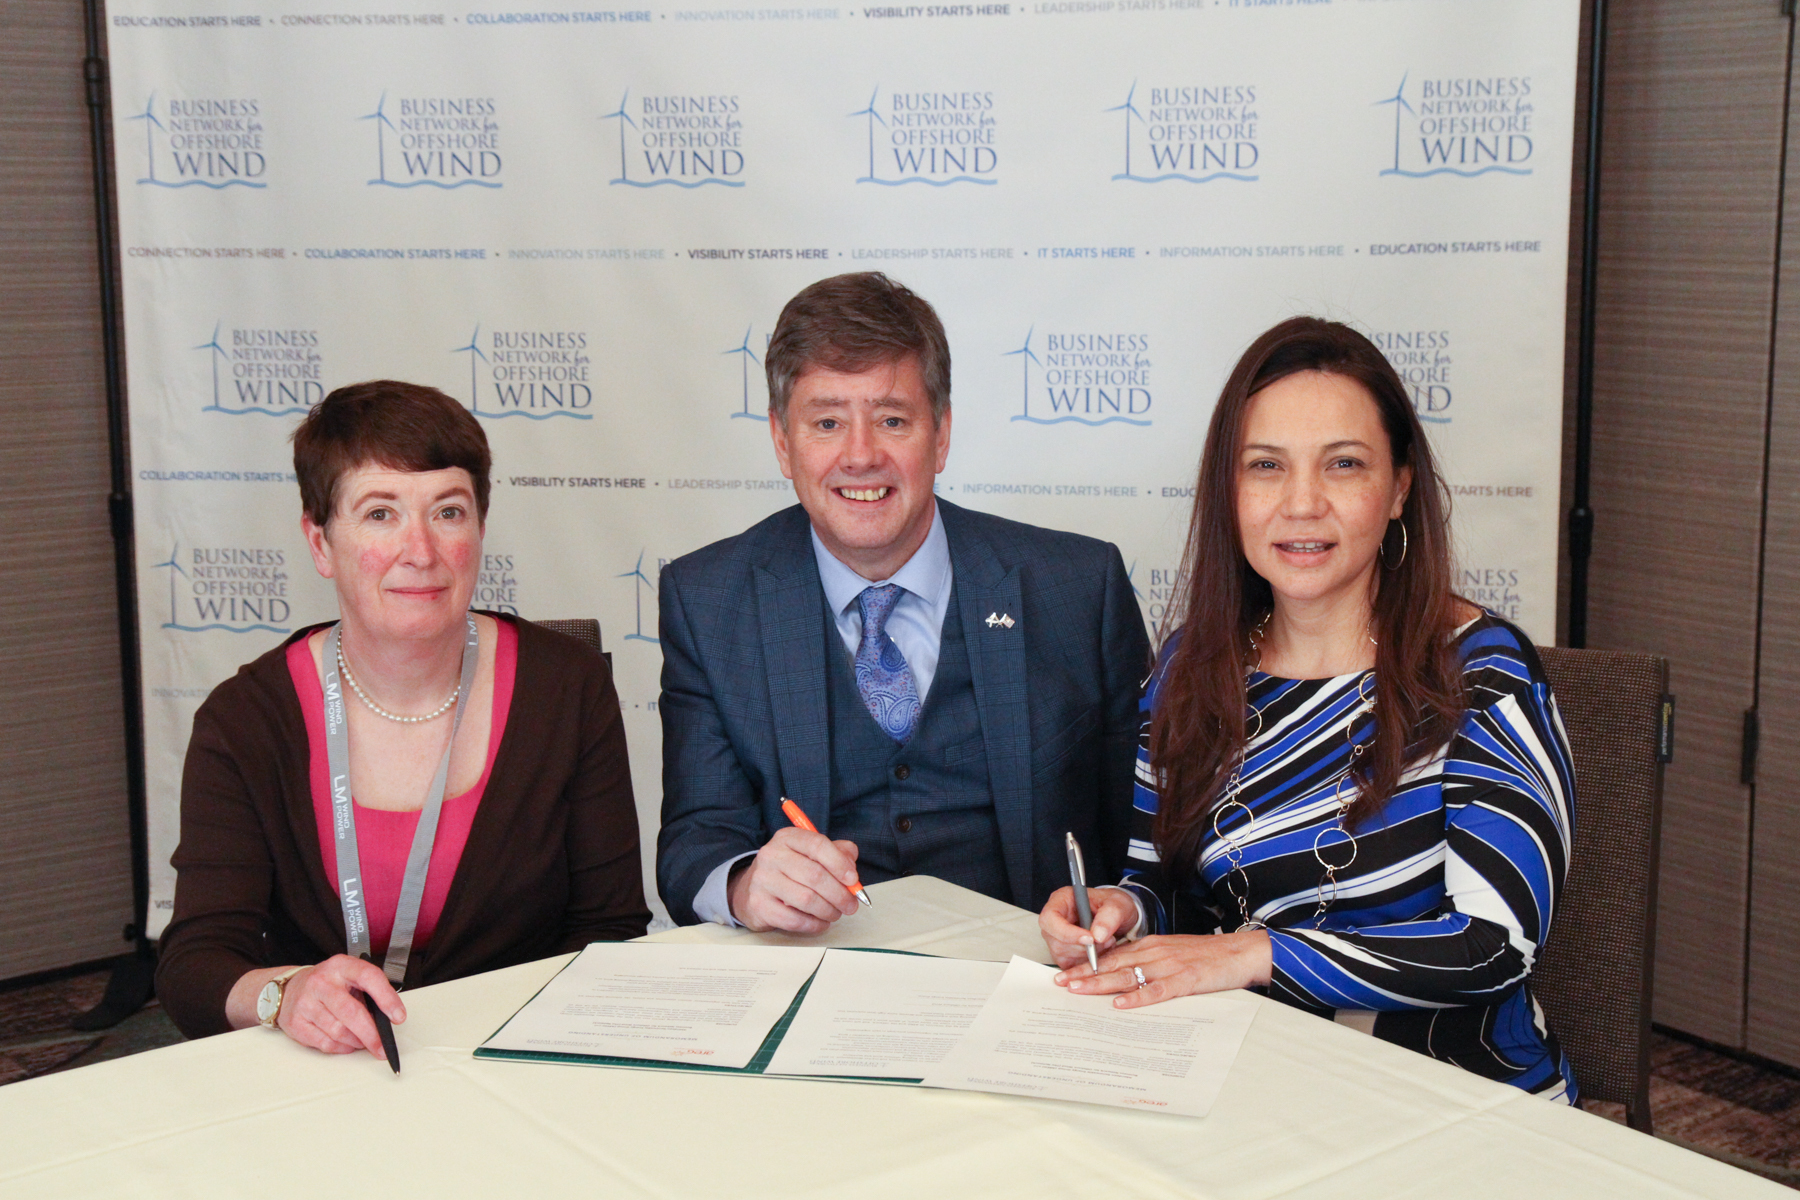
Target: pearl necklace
{"points": [[379, 711]]}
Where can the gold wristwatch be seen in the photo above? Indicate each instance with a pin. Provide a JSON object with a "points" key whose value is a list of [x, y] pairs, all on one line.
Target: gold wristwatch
{"points": [[268, 1001]]}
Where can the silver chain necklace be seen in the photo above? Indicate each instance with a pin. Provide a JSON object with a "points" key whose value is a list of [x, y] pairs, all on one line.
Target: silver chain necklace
{"points": [[1237, 880], [379, 711]]}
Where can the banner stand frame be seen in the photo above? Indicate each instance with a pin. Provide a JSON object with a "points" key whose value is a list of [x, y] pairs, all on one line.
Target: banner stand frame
{"points": [[131, 985], [1581, 515], [132, 982]]}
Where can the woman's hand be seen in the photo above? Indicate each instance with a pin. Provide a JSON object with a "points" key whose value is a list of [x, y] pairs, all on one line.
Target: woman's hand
{"points": [[1179, 965], [1113, 910], [322, 1006]]}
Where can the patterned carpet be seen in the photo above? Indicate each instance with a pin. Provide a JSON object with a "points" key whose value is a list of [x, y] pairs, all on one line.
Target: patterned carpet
{"points": [[1735, 1111], [1722, 1107], [35, 1038]]}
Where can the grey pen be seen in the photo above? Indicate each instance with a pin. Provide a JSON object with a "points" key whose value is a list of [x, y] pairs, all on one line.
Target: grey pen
{"points": [[1078, 881]]}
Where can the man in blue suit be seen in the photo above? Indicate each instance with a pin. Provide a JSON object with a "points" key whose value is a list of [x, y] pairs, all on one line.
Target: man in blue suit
{"points": [[942, 692]]}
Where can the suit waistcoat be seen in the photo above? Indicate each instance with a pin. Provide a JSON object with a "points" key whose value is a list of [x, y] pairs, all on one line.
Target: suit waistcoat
{"points": [[924, 808]]}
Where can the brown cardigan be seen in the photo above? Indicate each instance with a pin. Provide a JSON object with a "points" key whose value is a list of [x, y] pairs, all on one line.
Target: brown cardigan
{"points": [[551, 862]]}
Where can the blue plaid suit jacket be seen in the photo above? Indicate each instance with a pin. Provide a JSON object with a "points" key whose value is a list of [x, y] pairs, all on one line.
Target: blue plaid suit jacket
{"points": [[745, 717]]}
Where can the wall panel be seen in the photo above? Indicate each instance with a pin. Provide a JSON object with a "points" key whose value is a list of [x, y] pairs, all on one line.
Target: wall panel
{"points": [[1773, 1018], [1692, 153], [65, 866]]}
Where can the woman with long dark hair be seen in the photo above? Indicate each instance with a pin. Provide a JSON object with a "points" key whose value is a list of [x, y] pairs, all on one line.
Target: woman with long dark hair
{"points": [[1354, 788]]}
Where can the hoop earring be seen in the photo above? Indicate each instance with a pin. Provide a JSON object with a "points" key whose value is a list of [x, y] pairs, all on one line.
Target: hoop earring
{"points": [[1403, 548]]}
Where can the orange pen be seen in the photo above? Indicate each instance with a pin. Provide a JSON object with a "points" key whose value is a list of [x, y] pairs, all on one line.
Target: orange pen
{"points": [[799, 818]]}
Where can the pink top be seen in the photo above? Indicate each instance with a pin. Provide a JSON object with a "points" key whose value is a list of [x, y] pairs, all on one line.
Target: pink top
{"points": [[383, 838]]}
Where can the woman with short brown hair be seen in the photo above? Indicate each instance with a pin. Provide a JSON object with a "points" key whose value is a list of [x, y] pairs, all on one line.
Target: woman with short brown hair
{"points": [[444, 790]]}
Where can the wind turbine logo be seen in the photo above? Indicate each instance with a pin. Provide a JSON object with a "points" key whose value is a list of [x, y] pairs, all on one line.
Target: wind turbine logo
{"points": [[1441, 149], [476, 357], [749, 356], [382, 125], [874, 117], [174, 563], [624, 119], [473, 350], [660, 161], [643, 581], [420, 161], [1026, 358], [1130, 111], [218, 352], [250, 405], [1175, 153], [1398, 100], [151, 125], [1064, 407]]}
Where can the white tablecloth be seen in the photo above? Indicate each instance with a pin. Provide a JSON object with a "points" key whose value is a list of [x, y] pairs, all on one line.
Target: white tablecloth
{"points": [[1310, 1109]]}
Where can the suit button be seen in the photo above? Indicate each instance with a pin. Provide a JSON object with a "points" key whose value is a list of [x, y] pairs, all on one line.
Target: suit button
{"points": [[902, 772], [904, 824]]}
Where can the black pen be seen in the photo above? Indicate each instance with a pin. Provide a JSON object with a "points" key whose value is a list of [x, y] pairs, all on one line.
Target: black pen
{"points": [[383, 1026], [1078, 880]]}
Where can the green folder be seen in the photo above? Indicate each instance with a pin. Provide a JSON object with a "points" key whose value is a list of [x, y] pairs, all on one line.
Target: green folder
{"points": [[757, 1065]]}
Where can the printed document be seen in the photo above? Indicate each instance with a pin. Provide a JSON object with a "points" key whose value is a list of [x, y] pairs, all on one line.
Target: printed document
{"points": [[883, 1016], [711, 1005], [1033, 1038]]}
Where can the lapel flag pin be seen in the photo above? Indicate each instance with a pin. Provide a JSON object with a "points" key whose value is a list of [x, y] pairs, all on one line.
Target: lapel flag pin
{"points": [[1004, 620]]}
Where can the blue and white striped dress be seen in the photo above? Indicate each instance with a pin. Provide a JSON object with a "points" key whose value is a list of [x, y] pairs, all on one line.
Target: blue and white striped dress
{"points": [[1436, 924]]}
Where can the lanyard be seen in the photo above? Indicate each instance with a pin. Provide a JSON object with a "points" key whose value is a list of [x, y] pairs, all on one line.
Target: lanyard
{"points": [[343, 815]]}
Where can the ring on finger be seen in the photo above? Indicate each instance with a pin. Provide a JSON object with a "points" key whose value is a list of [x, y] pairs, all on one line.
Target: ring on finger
{"points": [[1138, 972]]}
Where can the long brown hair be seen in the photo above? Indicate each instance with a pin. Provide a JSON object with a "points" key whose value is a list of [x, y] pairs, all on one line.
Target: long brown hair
{"points": [[1198, 729]]}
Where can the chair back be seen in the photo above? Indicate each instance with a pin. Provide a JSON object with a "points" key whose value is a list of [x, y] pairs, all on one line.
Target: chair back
{"points": [[582, 629], [1595, 973]]}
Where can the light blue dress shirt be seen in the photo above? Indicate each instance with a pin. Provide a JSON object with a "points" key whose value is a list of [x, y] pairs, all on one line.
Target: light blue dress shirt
{"points": [[916, 624]]}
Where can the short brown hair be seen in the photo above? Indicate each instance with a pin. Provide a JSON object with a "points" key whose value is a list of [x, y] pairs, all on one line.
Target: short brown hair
{"points": [[852, 323], [401, 426]]}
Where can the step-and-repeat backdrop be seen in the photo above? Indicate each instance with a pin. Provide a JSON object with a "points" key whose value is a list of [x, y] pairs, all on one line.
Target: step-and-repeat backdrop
{"points": [[582, 223]]}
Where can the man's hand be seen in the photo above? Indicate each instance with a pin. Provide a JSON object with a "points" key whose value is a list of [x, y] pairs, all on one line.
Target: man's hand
{"points": [[797, 883]]}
